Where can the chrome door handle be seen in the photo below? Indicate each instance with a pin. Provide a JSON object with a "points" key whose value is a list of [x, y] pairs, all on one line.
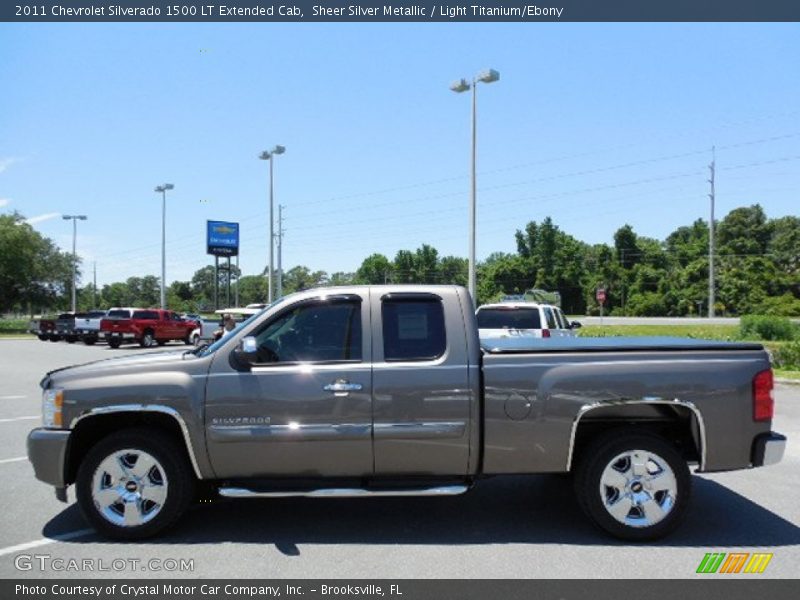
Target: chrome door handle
{"points": [[340, 385]]}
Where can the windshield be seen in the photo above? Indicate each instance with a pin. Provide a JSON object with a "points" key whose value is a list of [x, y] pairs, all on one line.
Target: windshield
{"points": [[509, 318]]}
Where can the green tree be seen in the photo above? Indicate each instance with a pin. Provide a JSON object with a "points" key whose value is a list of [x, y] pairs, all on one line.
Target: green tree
{"points": [[34, 273], [301, 278], [375, 269]]}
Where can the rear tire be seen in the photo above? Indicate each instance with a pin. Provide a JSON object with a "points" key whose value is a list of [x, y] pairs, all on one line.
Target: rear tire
{"points": [[134, 484], [633, 485], [114, 343], [90, 340], [44, 338]]}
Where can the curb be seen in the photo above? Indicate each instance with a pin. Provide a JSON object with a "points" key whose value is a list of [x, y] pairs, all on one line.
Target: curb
{"points": [[785, 381]]}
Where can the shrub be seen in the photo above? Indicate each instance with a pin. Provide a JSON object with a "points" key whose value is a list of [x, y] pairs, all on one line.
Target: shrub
{"points": [[787, 356], [767, 328]]}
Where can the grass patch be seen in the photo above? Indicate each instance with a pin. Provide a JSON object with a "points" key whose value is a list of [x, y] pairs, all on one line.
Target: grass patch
{"points": [[705, 332], [786, 374], [13, 326]]}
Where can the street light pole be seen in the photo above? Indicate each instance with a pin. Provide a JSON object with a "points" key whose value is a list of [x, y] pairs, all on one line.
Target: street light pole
{"points": [[462, 85], [74, 219], [711, 196], [163, 190], [270, 156]]}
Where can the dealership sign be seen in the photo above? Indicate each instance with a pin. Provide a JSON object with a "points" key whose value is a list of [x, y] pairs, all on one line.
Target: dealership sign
{"points": [[222, 238]]}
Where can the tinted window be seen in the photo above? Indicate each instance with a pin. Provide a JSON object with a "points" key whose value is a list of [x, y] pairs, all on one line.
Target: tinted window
{"points": [[327, 331], [95, 314], [509, 318], [146, 314], [551, 320], [413, 329], [119, 314]]}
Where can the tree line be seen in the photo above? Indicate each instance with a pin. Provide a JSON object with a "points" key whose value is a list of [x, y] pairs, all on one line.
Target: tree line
{"points": [[757, 268]]}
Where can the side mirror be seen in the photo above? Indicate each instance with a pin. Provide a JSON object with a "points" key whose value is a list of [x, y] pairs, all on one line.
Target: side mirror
{"points": [[575, 325], [246, 351]]}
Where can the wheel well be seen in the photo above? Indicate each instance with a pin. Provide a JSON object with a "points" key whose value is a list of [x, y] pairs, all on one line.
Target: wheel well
{"points": [[676, 424], [91, 430]]}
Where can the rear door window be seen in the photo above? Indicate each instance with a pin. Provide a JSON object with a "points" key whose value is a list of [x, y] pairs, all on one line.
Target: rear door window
{"points": [[413, 329], [149, 315]]}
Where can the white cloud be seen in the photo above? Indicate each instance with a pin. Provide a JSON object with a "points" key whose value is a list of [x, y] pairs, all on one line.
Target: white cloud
{"points": [[4, 202], [7, 162], [40, 218]]}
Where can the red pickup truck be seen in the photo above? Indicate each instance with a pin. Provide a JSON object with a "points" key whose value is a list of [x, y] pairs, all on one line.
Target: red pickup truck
{"points": [[145, 327]]}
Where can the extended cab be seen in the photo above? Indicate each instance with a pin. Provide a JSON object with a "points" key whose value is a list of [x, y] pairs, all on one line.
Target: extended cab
{"points": [[386, 391], [145, 327]]}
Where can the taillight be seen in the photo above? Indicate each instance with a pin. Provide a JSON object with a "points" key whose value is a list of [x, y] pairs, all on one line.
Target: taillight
{"points": [[545, 333], [763, 402]]}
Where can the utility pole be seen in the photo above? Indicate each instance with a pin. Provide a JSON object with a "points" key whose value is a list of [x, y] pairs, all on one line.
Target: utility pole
{"points": [[236, 300], [279, 280], [74, 219], [711, 168]]}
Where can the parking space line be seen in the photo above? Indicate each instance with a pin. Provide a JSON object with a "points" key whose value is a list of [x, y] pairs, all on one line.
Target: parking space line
{"points": [[11, 460], [44, 541], [12, 397], [20, 419]]}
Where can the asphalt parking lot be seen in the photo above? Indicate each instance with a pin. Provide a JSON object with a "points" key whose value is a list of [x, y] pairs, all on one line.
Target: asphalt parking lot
{"points": [[520, 527]]}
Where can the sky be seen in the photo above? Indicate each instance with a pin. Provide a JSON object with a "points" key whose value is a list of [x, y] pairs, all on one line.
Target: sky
{"points": [[594, 125]]}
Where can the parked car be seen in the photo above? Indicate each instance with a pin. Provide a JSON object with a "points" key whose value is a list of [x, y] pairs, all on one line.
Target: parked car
{"points": [[44, 328], [388, 391], [145, 327], [65, 326], [87, 326], [210, 330], [526, 319]]}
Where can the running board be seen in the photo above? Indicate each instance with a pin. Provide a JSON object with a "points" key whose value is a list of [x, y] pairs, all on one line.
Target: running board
{"points": [[446, 490]]}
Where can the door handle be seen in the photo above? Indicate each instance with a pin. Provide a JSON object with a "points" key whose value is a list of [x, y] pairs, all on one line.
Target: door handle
{"points": [[341, 385]]}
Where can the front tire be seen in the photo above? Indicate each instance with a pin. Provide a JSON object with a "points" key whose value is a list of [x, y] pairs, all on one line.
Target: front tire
{"points": [[147, 339], [635, 486], [134, 484], [114, 342]]}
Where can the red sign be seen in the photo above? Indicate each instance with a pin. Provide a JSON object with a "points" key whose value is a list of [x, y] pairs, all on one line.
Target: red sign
{"points": [[601, 295]]}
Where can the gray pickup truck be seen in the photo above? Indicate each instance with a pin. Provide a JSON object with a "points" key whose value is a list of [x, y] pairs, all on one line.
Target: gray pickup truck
{"points": [[386, 391]]}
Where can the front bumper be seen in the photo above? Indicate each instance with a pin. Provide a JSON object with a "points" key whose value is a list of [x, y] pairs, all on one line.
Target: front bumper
{"points": [[47, 451], [768, 449]]}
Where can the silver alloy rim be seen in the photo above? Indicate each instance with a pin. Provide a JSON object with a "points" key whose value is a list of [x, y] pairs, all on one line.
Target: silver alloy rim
{"points": [[638, 488], [129, 488]]}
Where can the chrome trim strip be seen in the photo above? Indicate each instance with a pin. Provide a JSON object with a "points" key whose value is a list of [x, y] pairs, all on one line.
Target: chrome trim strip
{"points": [[701, 426], [447, 490], [104, 410], [411, 430], [288, 433]]}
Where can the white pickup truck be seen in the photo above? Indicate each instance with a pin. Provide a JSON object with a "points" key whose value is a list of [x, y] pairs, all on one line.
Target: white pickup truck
{"points": [[87, 326]]}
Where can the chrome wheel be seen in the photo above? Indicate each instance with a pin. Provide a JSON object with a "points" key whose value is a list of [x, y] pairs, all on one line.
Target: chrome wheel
{"points": [[129, 488], [638, 488]]}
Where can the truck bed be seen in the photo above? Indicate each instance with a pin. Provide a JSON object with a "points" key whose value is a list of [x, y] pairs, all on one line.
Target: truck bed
{"points": [[526, 345]]}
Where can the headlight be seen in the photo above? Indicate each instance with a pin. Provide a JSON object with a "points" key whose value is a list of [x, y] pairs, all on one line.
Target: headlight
{"points": [[52, 401]]}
